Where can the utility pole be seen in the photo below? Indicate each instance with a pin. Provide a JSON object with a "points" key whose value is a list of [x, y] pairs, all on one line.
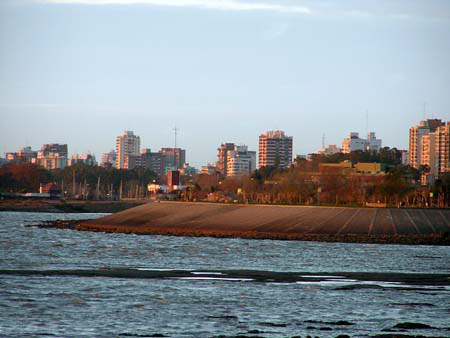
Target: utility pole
{"points": [[74, 184], [120, 190], [98, 188]]}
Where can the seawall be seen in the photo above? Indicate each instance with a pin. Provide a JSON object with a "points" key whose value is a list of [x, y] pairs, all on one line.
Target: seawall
{"points": [[407, 226]]}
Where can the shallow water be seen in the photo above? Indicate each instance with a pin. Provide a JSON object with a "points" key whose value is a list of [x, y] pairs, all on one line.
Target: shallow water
{"points": [[207, 304]]}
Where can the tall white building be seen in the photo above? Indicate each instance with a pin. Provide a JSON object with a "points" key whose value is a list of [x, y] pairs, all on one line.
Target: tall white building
{"points": [[127, 149], [373, 143], [353, 143], [240, 161]]}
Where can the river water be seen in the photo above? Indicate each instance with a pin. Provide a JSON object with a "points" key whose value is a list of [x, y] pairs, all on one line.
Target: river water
{"points": [[209, 304]]}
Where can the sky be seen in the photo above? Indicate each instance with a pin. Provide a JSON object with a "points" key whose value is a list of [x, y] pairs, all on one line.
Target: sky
{"points": [[82, 71]]}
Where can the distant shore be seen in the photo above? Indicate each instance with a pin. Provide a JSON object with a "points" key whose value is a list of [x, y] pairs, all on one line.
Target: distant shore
{"points": [[69, 206]]}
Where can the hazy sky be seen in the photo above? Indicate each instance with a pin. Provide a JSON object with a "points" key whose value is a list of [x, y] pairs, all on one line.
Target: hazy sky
{"points": [[82, 71]]}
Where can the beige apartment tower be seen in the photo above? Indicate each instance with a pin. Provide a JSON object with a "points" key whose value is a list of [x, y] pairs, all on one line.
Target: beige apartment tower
{"points": [[127, 149], [416, 134], [223, 157], [429, 145], [275, 149], [442, 148]]}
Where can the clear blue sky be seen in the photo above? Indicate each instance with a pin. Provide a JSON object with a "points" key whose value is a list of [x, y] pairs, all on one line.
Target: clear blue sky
{"points": [[82, 71]]}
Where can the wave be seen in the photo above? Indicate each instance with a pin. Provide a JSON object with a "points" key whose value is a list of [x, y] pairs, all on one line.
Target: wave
{"points": [[341, 280]]}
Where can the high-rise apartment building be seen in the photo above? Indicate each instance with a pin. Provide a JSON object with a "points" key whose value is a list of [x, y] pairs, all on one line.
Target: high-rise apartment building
{"points": [[372, 142], [223, 157], [88, 159], [127, 148], [25, 154], [109, 159], [160, 162], [429, 146], [416, 134], [52, 156], [275, 149], [149, 160], [240, 161], [55, 148], [428, 154], [172, 159], [442, 148]]}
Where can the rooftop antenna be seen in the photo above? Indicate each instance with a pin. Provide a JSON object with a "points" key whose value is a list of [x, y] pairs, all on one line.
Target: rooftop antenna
{"points": [[367, 122], [323, 141], [175, 132]]}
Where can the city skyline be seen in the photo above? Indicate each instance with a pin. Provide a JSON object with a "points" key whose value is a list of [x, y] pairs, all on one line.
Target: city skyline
{"points": [[219, 71]]}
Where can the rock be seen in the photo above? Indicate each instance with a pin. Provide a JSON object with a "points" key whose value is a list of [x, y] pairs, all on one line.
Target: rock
{"points": [[142, 335], [397, 335], [255, 331], [412, 326], [273, 324], [238, 336], [223, 317], [340, 322]]}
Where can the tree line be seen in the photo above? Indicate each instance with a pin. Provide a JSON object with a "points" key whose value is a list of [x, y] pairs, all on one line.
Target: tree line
{"points": [[306, 183], [78, 181]]}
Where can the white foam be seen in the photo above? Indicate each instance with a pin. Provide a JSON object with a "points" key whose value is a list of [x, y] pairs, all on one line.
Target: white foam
{"points": [[343, 280], [216, 278], [206, 273], [325, 282], [319, 276], [155, 269]]}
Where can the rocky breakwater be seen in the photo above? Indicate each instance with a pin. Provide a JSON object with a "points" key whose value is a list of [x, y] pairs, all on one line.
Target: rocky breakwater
{"points": [[333, 224]]}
